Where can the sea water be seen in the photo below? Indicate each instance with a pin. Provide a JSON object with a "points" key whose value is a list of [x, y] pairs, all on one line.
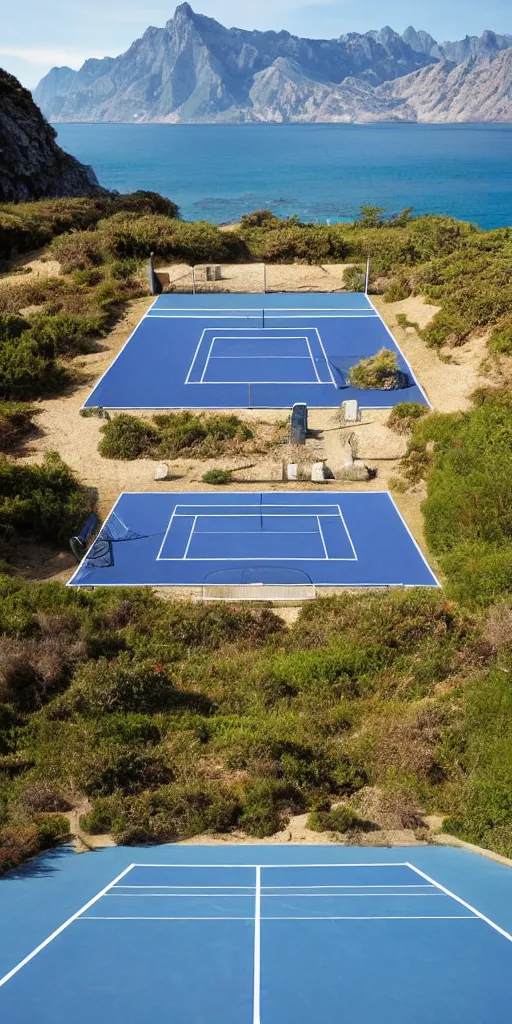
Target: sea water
{"points": [[321, 172]]}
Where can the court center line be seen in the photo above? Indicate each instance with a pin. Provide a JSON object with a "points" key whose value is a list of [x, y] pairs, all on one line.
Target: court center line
{"points": [[448, 892], [62, 927], [257, 950]]}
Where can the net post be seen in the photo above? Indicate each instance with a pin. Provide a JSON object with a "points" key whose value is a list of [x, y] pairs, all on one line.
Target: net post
{"points": [[249, 396], [367, 276]]}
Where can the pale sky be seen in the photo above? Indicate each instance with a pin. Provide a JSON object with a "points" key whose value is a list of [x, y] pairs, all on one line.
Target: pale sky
{"points": [[38, 35]]}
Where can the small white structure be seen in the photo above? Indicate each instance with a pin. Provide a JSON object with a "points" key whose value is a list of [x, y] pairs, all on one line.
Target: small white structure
{"points": [[318, 472], [350, 410], [292, 471], [161, 471]]}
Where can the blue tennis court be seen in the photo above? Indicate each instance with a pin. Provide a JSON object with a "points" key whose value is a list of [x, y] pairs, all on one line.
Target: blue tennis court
{"points": [[251, 351], [277, 538], [258, 935]]}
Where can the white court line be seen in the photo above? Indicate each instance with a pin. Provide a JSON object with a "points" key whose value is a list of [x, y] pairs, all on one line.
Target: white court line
{"points": [[257, 515], [74, 917], [169, 524], [408, 365], [205, 367], [389, 885], [272, 895], [448, 892], [325, 864], [152, 918], [313, 362], [413, 539], [190, 538], [322, 537], [406, 917], [200, 887], [257, 950]]}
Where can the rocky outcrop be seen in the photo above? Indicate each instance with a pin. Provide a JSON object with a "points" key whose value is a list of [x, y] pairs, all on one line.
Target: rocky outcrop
{"points": [[195, 70], [32, 166]]}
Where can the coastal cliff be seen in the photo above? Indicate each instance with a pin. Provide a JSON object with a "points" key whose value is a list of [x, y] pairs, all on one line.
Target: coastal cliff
{"points": [[32, 165]]}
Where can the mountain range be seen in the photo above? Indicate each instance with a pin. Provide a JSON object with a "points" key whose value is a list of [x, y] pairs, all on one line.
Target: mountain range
{"points": [[195, 70]]}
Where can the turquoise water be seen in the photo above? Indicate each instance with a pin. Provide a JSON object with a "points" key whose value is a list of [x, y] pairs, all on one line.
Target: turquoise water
{"points": [[320, 172]]}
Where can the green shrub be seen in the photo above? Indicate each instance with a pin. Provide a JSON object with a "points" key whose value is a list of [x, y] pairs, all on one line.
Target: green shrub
{"points": [[52, 829], [267, 806], [379, 371], [217, 476], [68, 334], [104, 687], [340, 819], [27, 369], [44, 502], [397, 291], [501, 338], [80, 250], [127, 437], [354, 278], [259, 219], [404, 416]]}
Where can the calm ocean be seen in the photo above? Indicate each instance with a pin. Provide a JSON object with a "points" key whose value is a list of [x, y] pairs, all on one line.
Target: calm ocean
{"points": [[320, 172]]}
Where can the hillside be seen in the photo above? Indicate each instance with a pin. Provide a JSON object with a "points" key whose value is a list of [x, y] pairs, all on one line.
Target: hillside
{"points": [[156, 720], [196, 70], [32, 165]]}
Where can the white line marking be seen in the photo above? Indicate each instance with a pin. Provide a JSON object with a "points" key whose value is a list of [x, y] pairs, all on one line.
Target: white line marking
{"points": [[205, 367], [322, 537], [189, 540], [169, 524], [313, 362], [191, 367], [74, 917], [409, 367], [123, 918], [463, 903], [264, 867], [257, 950], [407, 917], [414, 541]]}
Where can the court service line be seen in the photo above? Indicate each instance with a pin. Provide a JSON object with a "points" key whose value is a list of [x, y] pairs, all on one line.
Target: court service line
{"points": [[448, 892], [62, 927]]}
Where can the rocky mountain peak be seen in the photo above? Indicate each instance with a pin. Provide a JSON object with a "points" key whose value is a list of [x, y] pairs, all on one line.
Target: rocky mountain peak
{"points": [[195, 69]]}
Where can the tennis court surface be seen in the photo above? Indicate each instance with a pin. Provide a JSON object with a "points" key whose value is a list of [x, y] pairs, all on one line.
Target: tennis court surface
{"points": [[220, 351], [258, 935], [243, 538]]}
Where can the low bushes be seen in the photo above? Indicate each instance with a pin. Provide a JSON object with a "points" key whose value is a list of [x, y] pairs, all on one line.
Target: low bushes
{"points": [[404, 416], [217, 476], [173, 434], [43, 502], [379, 371]]}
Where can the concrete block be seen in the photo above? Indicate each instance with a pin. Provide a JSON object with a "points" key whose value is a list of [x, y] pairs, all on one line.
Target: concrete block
{"points": [[161, 471]]}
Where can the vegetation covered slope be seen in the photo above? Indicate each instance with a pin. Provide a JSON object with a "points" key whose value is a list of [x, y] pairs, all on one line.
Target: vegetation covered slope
{"points": [[172, 719]]}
